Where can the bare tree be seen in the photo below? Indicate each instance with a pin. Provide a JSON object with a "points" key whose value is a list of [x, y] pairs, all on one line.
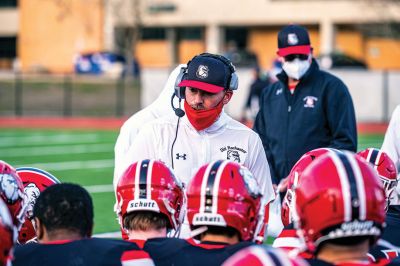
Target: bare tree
{"points": [[128, 34]]}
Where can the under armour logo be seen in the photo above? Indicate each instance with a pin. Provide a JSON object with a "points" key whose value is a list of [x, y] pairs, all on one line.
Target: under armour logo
{"points": [[178, 156]]}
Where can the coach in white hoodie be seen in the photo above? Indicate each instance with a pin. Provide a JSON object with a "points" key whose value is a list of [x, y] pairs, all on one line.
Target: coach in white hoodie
{"points": [[391, 143], [160, 107], [204, 133]]}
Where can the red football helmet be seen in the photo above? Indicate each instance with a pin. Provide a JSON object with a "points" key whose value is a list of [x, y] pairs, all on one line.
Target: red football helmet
{"points": [[226, 194], [150, 185], [339, 195], [293, 179], [385, 168], [7, 234], [12, 192], [261, 255], [34, 181]]}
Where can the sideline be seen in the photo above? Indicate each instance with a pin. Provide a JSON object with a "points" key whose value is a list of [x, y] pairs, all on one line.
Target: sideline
{"points": [[107, 123], [112, 123]]}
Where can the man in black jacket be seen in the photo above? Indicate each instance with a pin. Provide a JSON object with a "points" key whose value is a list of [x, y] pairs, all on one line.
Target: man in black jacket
{"points": [[306, 109]]}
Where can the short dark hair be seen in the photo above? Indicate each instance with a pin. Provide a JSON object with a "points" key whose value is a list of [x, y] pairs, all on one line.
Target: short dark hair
{"points": [[65, 206], [145, 220], [346, 241], [220, 230]]}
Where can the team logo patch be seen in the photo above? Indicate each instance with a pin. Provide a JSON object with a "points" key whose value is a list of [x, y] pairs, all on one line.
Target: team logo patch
{"points": [[233, 153], [32, 192], [309, 101], [202, 72], [279, 91], [292, 39], [9, 187]]}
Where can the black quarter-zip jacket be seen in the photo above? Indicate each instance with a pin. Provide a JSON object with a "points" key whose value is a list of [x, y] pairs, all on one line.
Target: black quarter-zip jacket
{"points": [[320, 113]]}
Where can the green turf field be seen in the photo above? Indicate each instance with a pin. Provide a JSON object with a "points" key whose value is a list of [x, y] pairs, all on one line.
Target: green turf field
{"points": [[83, 157]]}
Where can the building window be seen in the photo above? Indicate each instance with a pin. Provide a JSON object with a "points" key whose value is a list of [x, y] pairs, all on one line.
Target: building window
{"points": [[8, 3], [153, 34], [195, 33], [236, 36], [8, 47]]}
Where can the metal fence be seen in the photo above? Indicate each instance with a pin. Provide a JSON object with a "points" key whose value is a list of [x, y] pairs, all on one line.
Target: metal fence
{"points": [[67, 95]]}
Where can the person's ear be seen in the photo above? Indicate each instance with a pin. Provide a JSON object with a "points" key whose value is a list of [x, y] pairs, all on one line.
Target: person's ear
{"points": [[227, 96], [90, 233], [39, 229]]}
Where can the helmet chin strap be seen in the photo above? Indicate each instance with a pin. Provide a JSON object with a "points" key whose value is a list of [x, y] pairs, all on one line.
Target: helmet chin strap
{"points": [[176, 224], [198, 231]]}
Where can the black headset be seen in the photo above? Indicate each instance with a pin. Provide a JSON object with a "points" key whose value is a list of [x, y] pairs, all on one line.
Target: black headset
{"points": [[232, 80], [179, 92]]}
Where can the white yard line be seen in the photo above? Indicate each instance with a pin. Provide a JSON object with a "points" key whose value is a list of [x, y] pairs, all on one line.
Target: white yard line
{"points": [[109, 235], [73, 165], [50, 150], [38, 139], [100, 188]]}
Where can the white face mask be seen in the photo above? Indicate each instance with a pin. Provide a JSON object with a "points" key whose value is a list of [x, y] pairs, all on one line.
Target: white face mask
{"points": [[296, 68]]}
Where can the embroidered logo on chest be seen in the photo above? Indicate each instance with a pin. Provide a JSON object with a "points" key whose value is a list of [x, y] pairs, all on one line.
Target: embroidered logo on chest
{"points": [[309, 101], [233, 153]]}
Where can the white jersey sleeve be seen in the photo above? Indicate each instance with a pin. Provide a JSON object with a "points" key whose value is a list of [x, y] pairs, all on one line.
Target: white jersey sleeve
{"points": [[391, 143], [258, 166], [160, 107], [122, 145], [143, 147]]}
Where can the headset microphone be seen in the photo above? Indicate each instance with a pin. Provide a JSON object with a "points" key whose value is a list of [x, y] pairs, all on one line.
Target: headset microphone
{"points": [[178, 111]]}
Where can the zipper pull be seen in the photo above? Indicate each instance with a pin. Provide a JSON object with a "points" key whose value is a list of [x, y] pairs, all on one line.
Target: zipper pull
{"points": [[289, 108]]}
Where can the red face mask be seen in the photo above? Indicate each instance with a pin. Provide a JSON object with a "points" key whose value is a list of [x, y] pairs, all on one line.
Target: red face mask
{"points": [[202, 119]]}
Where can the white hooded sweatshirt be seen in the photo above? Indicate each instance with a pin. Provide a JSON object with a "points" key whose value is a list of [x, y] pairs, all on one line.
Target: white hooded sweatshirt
{"points": [[160, 107]]}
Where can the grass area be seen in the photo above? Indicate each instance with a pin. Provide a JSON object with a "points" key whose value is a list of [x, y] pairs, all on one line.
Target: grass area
{"points": [[83, 157]]}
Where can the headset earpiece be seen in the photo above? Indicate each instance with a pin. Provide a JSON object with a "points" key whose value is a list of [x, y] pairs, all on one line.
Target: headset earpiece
{"points": [[180, 91], [234, 83]]}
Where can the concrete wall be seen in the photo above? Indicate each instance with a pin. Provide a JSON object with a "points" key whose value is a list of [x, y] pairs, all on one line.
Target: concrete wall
{"points": [[372, 103]]}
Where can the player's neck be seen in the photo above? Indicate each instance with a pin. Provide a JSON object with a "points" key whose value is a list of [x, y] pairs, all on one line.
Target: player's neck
{"points": [[336, 253], [144, 235], [220, 239], [59, 235]]}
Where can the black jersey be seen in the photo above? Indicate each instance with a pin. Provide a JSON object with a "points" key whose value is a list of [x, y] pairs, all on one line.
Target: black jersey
{"points": [[389, 245], [174, 251], [90, 251]]}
